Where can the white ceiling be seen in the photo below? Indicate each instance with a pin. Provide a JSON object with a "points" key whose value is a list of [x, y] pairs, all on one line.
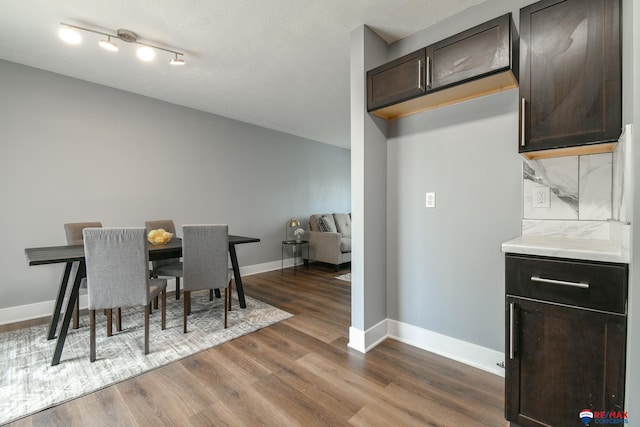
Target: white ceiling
{"points": [[280, 64]]}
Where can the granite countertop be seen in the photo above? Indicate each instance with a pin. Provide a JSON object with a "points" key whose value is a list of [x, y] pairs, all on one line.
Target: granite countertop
{"points": [[573, 248]]}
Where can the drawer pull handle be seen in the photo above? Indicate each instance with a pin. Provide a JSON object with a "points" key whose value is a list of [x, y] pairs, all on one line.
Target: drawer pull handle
{"points": [[511, 332], [428, 72], [522, 123], [420, 74], [560, 282]]}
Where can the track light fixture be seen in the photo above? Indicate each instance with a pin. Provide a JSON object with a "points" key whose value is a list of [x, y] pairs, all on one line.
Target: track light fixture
{"points": [[146, 52]]}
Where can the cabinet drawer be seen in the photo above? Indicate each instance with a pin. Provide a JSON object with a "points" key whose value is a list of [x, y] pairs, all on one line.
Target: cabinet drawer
{"points": [[599, 286]]}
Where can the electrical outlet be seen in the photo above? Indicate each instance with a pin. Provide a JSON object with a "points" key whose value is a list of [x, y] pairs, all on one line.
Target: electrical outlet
{"points": [[430, 200], [541, 197]]}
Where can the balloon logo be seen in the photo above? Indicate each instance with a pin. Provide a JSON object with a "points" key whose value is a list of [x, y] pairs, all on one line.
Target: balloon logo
{"points": [[586, 416]]}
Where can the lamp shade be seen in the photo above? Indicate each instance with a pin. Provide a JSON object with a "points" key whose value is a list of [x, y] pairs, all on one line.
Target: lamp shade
{"points": [[294, 222]]}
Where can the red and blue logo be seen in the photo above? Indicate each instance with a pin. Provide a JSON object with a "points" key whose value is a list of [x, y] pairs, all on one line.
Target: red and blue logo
{"points": [[586, 416], [603, 417]]}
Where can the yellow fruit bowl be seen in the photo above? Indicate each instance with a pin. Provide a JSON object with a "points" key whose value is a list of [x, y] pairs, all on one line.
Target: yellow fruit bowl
{"points": [[159, 237]]}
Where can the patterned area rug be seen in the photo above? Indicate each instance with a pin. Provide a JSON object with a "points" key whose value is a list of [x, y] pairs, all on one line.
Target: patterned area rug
{"points": [[345, 277], [30, 384]]}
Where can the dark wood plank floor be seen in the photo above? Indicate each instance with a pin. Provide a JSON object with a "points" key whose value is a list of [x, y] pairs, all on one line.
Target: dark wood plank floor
{"points": [[298, 372]]}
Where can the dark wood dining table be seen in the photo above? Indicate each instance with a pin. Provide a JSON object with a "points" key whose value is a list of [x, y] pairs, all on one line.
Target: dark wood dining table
{"points": [[69, 254]]}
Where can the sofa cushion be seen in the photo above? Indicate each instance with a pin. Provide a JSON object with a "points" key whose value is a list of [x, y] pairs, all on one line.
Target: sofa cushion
{"points": [[345, 244], [326, 223], [343, 224]]}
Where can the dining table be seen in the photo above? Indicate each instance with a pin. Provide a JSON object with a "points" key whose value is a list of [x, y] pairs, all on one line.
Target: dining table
{"points": [[70, 254]]}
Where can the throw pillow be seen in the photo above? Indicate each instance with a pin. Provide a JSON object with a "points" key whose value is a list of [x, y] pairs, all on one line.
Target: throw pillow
{"points": [[325, 222], [343, 224]]}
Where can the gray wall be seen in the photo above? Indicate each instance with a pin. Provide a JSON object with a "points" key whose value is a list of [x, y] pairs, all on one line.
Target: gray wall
{"points": [[76, 151], [446, 268], [368, 186]]}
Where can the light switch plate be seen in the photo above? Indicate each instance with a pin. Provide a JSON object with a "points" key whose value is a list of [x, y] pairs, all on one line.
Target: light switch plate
{"points": [[541, 197], [430, 200]]}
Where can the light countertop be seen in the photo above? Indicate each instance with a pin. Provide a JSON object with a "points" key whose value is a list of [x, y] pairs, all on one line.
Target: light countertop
{"points": [[573, 248]]}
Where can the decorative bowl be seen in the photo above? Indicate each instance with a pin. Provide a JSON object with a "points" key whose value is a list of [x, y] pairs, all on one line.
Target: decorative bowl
{"points": [[159, 237]]}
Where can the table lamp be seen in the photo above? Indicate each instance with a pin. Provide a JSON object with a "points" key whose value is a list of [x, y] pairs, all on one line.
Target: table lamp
{"points": [[291, 223]]}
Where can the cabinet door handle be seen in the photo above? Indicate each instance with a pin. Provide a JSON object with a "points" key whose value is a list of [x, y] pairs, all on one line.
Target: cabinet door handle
{"points": [[559, 282], [428, 72], [420, 74], [512, 351], [522, 122]]}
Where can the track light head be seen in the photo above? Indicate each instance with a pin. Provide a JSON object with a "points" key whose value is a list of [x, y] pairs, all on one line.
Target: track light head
{"points": [[108, 44], [70, 35]]}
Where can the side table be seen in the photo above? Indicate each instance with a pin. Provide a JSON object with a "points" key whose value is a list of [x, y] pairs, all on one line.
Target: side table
{"points": [[295, 244]]}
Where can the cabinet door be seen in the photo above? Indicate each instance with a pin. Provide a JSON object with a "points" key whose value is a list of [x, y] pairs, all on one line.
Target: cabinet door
{"points": [[472, 54], [561, 360], [570, 74], [396, 81]]}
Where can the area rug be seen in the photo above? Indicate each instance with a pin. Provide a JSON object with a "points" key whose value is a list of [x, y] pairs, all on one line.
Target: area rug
{"points": [[345, 277], [30, 384]]}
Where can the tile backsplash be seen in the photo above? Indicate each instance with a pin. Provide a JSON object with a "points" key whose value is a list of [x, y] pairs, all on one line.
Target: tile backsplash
{"points": [[585, 193], [580, 187]]}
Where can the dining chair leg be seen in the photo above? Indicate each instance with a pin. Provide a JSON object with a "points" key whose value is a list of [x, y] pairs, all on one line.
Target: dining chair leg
{"points": [[188, 301], [109, 322], [92, 335], [217, 292], [186, 296], [119, 319], [226, 292], [164, 309], [155, 303], [211, 294], [147, 312], [76, 314], [177, 288]]}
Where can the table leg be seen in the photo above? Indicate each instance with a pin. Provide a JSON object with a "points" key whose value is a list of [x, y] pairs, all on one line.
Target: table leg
{"points": [[236, 275], [68, 313], [61, 292]]}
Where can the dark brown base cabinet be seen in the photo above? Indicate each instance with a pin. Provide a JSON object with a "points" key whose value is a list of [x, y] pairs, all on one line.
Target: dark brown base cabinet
{"points": [[565, 339], [570, 77]]}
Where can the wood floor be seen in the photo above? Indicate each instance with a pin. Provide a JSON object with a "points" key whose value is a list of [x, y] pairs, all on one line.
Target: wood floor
{"points": [[298, 372]]}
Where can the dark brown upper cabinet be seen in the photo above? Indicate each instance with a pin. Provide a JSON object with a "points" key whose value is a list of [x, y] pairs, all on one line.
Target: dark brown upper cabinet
{"points": [[476, 62], [570, 78], [396, 81], [472, 54]]}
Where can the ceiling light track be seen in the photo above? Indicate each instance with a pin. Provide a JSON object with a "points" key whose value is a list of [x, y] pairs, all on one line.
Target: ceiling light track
{"points": [[145, 52]]}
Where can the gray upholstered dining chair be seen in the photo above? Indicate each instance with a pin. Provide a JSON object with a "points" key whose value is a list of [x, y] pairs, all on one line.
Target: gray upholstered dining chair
{"points": [[205, 250], [118, 275], [166, 267], [73, 231]]}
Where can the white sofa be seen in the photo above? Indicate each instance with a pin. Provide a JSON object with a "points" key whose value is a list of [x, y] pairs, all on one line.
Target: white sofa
{"points": [[329, 237]]}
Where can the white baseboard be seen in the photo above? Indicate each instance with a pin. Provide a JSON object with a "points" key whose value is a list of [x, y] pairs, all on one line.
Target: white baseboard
{"points": [[443, 345], [45, 308]]}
